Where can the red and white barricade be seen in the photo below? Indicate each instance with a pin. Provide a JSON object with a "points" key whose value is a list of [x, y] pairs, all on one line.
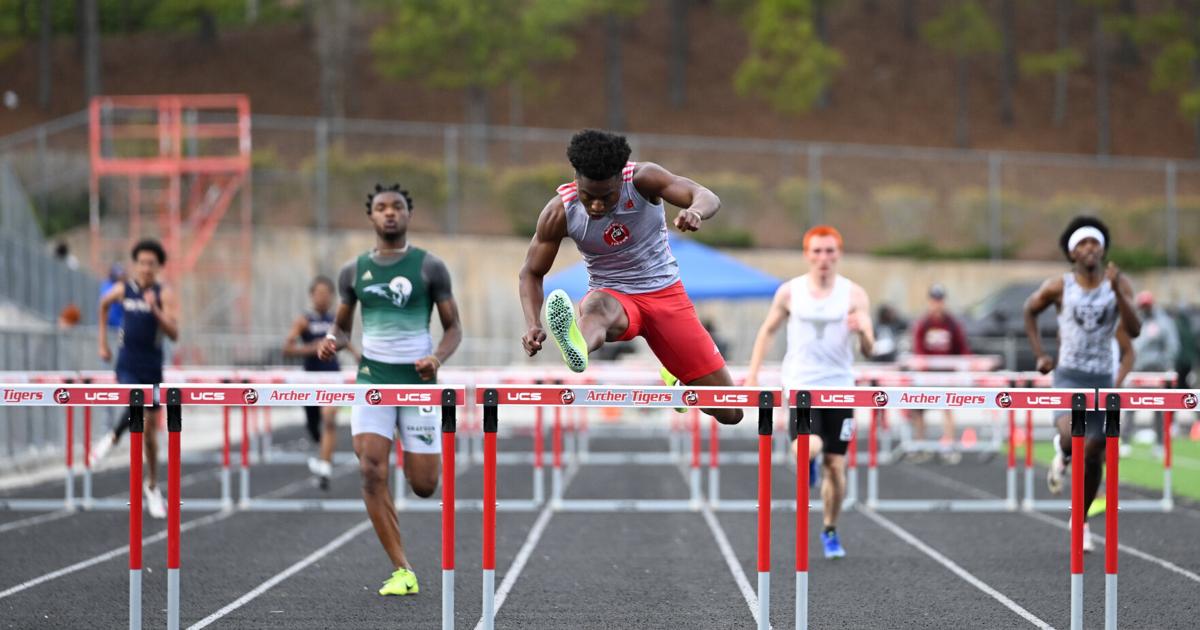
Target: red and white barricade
{"points": [[1165, 401], [879, 399], [175, 396], [1115, 401], [70, 396], [569, 396], [1078, 402]]}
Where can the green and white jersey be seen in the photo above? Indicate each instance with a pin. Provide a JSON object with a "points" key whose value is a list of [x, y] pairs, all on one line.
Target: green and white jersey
{"points": [[397, 293]]}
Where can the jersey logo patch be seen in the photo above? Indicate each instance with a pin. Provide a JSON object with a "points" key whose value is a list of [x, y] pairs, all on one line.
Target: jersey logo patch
{"points": [[1089, 317], [398, 291], [616, 234], [367, 275]]}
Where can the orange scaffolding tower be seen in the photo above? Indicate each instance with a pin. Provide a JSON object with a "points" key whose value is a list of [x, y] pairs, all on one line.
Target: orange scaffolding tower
{"points": [[186, 158]]}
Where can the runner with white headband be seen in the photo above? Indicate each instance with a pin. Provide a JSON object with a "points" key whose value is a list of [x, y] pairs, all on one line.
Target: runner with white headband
{"points": [[1094, 303]]}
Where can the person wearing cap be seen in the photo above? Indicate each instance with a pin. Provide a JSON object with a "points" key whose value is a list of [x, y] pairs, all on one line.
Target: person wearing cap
{"points": [[1155, 349], [938, 334], [1095, 304]]}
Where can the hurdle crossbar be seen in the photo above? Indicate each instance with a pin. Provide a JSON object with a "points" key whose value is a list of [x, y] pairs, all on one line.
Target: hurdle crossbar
{"points": [[492, 397]]}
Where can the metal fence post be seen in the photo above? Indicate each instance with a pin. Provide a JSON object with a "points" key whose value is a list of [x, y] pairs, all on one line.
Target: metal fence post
{"points": [[1172, 217], [995, 207], [321, 176], [44, 171], [816, 210], [453, 187]]}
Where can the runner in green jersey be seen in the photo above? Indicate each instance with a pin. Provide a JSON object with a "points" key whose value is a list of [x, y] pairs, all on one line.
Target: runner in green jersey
{"points": [[398, 286]]}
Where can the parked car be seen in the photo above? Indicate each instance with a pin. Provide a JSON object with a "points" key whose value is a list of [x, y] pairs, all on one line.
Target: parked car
{"points": [[996, 325]]}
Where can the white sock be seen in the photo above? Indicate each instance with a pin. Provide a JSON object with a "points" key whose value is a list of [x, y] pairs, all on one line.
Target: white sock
{"points": [[1057, 447]]}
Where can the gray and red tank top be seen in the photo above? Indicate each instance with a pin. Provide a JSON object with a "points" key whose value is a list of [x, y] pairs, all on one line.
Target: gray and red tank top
{"points": [[627, 250]]}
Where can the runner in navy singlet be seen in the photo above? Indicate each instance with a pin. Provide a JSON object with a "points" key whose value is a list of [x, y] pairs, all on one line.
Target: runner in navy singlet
{"points": [[150, 313]]}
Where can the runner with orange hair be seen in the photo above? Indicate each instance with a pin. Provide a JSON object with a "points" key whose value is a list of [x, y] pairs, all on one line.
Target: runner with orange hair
{"points": [[825, 313]]}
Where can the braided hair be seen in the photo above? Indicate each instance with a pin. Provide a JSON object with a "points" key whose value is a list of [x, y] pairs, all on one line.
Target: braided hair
{"points": [[380, 188]]}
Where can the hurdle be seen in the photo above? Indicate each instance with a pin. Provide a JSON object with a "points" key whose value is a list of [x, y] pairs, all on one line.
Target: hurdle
{"points": [[492, 397], [264, 396], [448, 397], [1078, 401], [1167, 401], [70, 396], [877, 399]]}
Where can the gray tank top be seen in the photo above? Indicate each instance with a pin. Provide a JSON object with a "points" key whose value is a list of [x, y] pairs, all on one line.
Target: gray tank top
{"points": [[626, 251], [1086, 325]]}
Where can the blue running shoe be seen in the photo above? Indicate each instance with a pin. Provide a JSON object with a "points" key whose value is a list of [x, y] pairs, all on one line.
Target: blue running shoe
{"points": [[814, 473], [833, 546]]}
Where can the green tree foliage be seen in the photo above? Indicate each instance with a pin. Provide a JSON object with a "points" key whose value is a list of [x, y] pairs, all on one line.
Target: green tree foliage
{"points": [[787, 65], [457, 44], [1174, 36], [1045, 64], [11, 20], [962, 30]]}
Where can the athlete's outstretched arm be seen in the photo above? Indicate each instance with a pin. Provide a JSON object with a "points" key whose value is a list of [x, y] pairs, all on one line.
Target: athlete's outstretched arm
{"points": [[292, 346], [697, 202], [1123, 289], [452, 334], [113, 296], [343, 319], [859, 320], [1128, 356], [339, 337], [543, 249], [167, 313], [447, 308], [776, 316], [1049, 293]]}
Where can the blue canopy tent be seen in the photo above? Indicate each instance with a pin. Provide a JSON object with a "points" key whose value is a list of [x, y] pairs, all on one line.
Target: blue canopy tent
{"points": [[707, 274]]}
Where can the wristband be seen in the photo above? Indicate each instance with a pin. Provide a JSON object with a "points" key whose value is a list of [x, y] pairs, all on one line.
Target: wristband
{"points": [[437, 363]]}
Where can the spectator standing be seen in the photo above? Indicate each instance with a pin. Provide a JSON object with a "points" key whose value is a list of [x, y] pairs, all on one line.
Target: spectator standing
{"points": [[938, 333]]}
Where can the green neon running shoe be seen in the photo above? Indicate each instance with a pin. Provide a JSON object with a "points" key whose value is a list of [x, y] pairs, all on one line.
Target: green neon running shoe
{"points": [[671, 381], [402, 582], [1098, 507], [560, 318]]}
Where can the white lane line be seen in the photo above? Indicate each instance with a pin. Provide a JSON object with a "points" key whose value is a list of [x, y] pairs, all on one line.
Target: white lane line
{"points": [[329, 548], [185, 481], [1050, 520], [731, 560], [953, 567], [36, 520], [109, 555], [160, 536], [1137, 553], [526, 550]]}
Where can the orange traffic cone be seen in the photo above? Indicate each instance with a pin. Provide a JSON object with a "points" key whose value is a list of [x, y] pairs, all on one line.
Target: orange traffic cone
{"points": [[969, 439], [1195, 431]]}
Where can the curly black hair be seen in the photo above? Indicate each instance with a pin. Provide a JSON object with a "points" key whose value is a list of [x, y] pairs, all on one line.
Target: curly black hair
{"points": [[152, 246], [598, 154], [380, 188], [319, 281], [1080, 221]]}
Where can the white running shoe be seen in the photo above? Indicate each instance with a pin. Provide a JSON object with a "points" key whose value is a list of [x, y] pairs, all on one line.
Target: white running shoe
{"points": [[101, 449], [324, 468], [1089, 545], [314, 466], [154, 501], [1058, 469], [1054, 476]]}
